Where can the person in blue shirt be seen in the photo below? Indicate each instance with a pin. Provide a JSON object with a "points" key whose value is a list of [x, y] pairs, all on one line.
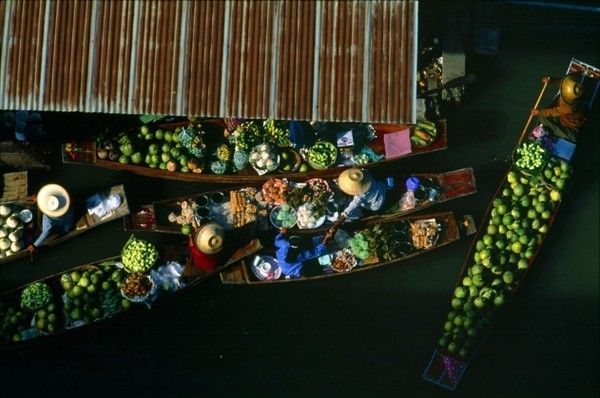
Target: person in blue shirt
{"points": [[292, 252], [367, 193], [55, 204]]}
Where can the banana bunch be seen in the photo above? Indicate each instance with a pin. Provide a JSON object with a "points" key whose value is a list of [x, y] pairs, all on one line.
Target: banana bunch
{"points": [[277, 132], [247, 136], [423, 133], [224, 153]]}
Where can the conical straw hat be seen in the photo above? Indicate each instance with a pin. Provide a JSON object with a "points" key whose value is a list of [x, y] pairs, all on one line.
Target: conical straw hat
{"points": [[53, 200], [354, 182], [209, 239]]}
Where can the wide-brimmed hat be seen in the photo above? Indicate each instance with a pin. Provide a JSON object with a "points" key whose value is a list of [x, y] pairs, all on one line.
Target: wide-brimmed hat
{"points": [[570, 89], [209, 239], [53, 200], [354, 182]]}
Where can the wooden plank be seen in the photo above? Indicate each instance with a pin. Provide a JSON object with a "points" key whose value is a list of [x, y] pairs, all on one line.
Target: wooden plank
{"points": [[14, 187]]}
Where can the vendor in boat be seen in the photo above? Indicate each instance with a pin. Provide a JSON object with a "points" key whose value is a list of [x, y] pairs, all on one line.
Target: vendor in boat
{"points": [[293, 251], [55, 204], [206, 250], [367, 194], [565, 118]]}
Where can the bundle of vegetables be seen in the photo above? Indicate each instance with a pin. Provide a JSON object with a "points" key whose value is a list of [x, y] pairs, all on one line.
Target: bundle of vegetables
{"points": [[359, 246], [12, 322], [516, 227], [35, 296], [423, 133], [264, 157], [11, 231], [322, 155], [277, 132], [138, 255]]}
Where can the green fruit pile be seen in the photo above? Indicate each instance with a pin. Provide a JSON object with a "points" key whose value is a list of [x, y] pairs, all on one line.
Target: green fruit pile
{"points": [[557, 173], [92, 292], [12, 322], [138, 255], [247, 135], [516, 227], [35, 296], [322, 155], [530, 156], [360, 246], [47, 319], [277, 132]]}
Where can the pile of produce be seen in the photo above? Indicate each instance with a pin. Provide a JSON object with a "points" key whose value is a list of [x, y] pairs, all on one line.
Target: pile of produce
{"points": [[47, 319], [136, 285], [360, 246], [423, 133], [179, 150], [11, 231], [277, 132], [273, 191], [264, 157], [285, 216], [291, 161], [424, 233], [315, 190], [187, 217], [138, 255], [92, 293], [322, 155], [310, 215], [378, 242], [530, 157], [515, 229], [557, 173], [247, 135], [12, 322], [343, 261], [242, 206], [35, 296]]}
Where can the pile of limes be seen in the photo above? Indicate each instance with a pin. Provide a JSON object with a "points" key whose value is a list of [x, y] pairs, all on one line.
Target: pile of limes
{"points": [[530, 156], [516, 227]]}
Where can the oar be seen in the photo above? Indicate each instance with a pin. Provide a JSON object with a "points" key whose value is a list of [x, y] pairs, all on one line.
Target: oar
{"points": [[537, 102]]}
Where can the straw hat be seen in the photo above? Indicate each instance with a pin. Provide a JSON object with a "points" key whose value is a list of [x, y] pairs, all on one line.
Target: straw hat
{"points": [[209, 239], [354, 182], [570, 89], [53, 200]]}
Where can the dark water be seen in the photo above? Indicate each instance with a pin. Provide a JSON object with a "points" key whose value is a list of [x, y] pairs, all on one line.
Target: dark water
{"points": [[364, 335]]}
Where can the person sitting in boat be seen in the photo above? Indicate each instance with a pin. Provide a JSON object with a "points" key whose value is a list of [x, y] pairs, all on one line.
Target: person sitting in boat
{"points": [[55, 204], [293, 251], [367, 194], [206, 250], [565, 118]]}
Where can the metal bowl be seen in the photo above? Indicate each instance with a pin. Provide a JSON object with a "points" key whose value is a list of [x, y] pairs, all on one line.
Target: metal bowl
{"points": [[26, 216]]}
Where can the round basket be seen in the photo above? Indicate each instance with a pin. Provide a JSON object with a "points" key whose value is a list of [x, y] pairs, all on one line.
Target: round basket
{"points": [[319, 167], [141, 299], [275, 222]]}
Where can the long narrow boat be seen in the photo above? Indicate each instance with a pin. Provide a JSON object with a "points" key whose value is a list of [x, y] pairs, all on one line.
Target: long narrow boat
{"points": [[509, 239], [85, 152], [247, 272], [83, 224], [19, 327], [450, 185]]}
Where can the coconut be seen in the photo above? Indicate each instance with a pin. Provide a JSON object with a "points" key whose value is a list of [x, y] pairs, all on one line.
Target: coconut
{"points": [[4, 244], [4, 210], [16, 247], [13, 237], [3, 233]]}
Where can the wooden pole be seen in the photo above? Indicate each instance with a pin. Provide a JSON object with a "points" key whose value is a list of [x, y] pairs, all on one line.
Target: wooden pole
{"points": [[537, 102]]}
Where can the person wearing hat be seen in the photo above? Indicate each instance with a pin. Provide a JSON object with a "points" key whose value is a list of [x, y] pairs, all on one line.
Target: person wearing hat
{"points": [[206, 247], [367, 194], [293, 251], [55, 204], [565, 117]]}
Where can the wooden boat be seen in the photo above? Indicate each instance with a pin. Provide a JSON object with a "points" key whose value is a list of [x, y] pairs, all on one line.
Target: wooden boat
{"points": [[86, 154], [447, 366], [67, 326], [242, 273], [84, 224], [453, 185]]}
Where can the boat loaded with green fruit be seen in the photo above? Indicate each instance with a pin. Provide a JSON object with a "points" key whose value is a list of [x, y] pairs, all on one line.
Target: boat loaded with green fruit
{"points": [[515, 226], [101, 291], [359, 247], [17, 232], [323, 195], [205, 151]]}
